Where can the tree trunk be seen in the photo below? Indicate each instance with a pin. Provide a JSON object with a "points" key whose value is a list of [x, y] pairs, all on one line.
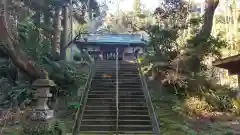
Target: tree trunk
{"points": [[71, 19], [57, 32], [206, 29], [226, 21], [65, 33], [47, 23], [89, 11], [202, 36], [235, 22], [18, 58]]}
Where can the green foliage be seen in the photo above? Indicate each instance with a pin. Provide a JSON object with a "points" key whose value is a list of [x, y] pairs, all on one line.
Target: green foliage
{"points": [[33, 40], [171, 121], [81, 28], [57, 129], [176, 57], [181, 65], [62, 73], [219, 97], [59, 71], [11, 96], [74, 105], [65, 75], [163, 41], [201, 48], [37, 47], [196, 105], [172, 117], [43, 129]]}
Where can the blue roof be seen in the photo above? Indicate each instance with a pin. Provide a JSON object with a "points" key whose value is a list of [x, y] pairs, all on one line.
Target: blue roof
{"points": [[114, 39]]}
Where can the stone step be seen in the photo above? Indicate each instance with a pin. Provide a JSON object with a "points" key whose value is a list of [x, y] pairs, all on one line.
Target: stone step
{"points": [[135, 128], [114, 95], [114, 92], [108, 127], [122, 82], [113, 70], [113, 65], [105, 107], [113, 112], [114, 89], [119, 133], [108, 80], [134, 117], [113, 116], [108, 107], [120, 89], [113, 122], [114, 103], [99, 86], [113, 128], [113, 76], [134, 122], [135, 133], [119, 99], [130, 89], [114, 62], [98, 122], [99, 116], [100, 77], [100, 111]]}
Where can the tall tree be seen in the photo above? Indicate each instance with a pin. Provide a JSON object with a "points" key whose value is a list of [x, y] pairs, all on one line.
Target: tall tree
{"points": [[89, 10], [65, 33], [50, 10], [206, 29], [11, 45], [57, 31], [194, 50]]}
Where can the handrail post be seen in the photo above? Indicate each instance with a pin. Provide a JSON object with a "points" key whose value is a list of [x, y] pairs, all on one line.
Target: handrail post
{"points": [[83, 99], [117, 109]]}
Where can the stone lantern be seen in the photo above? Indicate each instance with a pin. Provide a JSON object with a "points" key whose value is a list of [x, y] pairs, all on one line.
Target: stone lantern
{"points": [[42, 111]]}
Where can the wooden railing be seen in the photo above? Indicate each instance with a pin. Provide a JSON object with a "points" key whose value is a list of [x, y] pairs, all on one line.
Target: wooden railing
{"points": [[152, 114], [83, 100]]}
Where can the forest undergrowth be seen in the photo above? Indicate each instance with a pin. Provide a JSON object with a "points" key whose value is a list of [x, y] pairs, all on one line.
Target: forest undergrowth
{"points": [[175, 119]]}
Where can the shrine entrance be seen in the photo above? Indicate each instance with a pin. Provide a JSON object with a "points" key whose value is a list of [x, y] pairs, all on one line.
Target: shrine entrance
{"points": [[111, 54]]}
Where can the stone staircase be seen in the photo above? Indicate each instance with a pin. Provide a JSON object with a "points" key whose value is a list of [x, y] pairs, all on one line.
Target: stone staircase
{"points": [[100, 113]]}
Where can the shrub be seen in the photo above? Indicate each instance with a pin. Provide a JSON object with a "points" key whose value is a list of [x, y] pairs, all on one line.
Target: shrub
{"points": [[55, 129], [196, 106]]}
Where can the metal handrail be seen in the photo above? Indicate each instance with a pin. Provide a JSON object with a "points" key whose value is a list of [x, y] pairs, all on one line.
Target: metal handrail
{"points": [[117, 107], [155, 124], [83, 100]]}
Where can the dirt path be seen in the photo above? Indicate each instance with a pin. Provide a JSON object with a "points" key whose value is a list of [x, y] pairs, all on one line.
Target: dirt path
{"points": [[217, 127]]}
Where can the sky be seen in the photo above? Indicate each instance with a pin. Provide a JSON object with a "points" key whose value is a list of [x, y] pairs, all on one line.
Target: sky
{"points": [[127, 5]]}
